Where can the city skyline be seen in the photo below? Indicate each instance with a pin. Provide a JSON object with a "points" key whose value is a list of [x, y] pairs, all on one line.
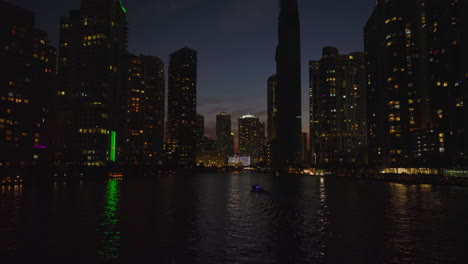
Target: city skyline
{"points": [[139, 134], [220, 54]]}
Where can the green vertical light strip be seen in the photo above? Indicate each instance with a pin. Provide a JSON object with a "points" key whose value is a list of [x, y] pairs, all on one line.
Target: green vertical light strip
{"points": [[122, 6], [113, 145]]}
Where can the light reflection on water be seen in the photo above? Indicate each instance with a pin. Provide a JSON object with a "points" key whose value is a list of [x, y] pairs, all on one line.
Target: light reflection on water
{"points": [[11, 205], [109, 228], [215, 218]]}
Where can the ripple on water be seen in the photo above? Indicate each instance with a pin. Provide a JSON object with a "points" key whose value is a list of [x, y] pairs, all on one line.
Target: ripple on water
{"points": [[181, 219]]}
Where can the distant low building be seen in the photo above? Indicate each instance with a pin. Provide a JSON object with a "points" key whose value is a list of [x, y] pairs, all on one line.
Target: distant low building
{"points": [[211, 158], [239, 160]]}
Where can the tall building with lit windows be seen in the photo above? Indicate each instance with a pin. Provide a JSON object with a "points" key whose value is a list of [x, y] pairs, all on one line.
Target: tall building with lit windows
{"points": [[338, 110], [224, 135], [45, 79], [92, 95], [27, 81], [182, 109], [250, 137], [145, 111], [417, 83]]}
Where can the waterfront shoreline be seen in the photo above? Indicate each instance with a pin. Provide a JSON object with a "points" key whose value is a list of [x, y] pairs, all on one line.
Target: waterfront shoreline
{"points": [[406, 179], [436, 180]]}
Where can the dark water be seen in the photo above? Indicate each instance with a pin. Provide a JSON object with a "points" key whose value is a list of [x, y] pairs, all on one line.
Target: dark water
{"points": [[214, 218]]}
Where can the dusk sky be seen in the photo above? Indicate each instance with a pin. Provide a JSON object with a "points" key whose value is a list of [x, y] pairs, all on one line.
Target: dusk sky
{"points": [[235, 40]]}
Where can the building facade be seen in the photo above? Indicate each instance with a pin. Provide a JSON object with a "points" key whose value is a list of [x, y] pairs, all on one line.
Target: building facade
{"points": [[314, 67], [338, 110], [27, 62], [145, 111], [224, 138], [92, 92], [272, 104], [250, 137], [417, 83], [199, 130], [182, 109]]}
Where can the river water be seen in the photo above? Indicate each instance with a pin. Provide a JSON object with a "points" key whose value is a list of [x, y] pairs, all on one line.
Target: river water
{"points": [[215, 218]]}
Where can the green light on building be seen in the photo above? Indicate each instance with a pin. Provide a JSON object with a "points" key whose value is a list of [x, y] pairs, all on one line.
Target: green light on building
{"points": [[113, 145], [122, 6]]}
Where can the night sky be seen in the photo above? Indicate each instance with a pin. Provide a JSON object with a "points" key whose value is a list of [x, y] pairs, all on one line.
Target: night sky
{"points": [[235, 40]]}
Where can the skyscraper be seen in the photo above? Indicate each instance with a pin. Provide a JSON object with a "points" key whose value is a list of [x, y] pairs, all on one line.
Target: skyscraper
{"points": [[272, 104], [338, 110], [313, 107], [417, 83], [145, 107], [464, 39], [263, 147], [304, 147], [92, 88], [223, 134], [287, 146], [182, 109], [250, 138], [27, 63], [199, 130], [43, 93]]}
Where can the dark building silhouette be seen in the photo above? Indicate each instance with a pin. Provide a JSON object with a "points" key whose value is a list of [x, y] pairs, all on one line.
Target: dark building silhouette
{"points": [[224, 134], [182, 109], [92, 85], [27, 63], [272, 111], [272, 86], [314, 81], [286, 147], [416, 53], [304, 148], [263, 148], [464, 57], [199, 130], [45, 78], [67, 64], [338, 109], [145, 107]]}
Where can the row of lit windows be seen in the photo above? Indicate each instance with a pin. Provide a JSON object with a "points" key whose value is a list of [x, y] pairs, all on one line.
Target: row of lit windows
{"points": [[91, 43], [393, 19], [94, 164], [16, 100], [95, 37], [6, 121], [93, 131]]}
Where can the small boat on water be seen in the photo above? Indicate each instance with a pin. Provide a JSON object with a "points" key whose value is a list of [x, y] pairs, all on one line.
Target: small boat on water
{"points": [[257, 188]]}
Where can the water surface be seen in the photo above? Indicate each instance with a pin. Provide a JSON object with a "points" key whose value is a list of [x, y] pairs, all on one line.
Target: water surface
{"points": [[215, 218]]}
